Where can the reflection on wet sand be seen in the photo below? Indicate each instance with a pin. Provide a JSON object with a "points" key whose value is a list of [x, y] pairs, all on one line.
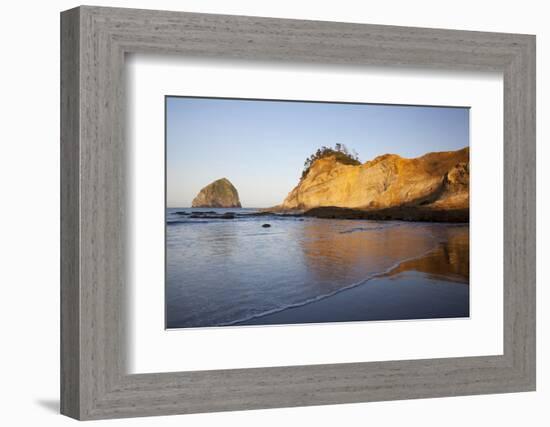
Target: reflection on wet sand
{"points": [[430, 281], [450, 260], [303, 270], [358, 252]]}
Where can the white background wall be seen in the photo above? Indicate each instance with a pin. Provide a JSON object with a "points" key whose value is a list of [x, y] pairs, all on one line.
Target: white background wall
{"points": [[29, 224]]}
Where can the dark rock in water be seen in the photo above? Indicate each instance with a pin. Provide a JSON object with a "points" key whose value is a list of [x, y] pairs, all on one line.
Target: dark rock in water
{"points": [[212, 215], [219, 194], [203, 212], [182, 213], [402, 213], [266, 225], [261, 213]]}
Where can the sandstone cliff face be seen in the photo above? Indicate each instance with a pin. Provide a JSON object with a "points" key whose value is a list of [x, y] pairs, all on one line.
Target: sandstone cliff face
{"points": [[219, 194], [438, 180]]}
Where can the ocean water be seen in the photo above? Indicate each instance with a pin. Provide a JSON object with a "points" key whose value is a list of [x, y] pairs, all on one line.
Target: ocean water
{"points": [[230, 271]]}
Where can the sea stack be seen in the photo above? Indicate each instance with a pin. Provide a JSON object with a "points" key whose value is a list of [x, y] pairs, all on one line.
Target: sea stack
{"points": [[218, 194]]}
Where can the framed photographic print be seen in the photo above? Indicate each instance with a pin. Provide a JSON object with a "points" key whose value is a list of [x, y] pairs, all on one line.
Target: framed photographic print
{"points": [[262, 213], [385, 239]]}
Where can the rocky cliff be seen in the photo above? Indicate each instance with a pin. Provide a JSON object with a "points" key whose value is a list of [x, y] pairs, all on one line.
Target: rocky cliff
{"points": [[218, 194], [435, 181]]}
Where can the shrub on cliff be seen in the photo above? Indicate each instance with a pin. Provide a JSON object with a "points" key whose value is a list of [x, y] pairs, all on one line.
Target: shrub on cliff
{"points": [[340, 152]]}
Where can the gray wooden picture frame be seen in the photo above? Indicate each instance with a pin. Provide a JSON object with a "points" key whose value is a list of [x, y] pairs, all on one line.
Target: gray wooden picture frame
{"points": [[94, 381]]}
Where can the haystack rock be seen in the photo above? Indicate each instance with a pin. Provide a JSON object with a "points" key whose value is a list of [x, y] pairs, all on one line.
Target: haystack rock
{"points": [[433, 181], [219, 194]]}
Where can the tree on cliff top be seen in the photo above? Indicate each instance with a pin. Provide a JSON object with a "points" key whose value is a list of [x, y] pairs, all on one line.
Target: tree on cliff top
{"points": [[340, 152]]}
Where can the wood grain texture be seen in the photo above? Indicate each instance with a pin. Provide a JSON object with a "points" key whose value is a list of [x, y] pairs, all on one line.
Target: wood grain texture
{"points": [[70, 292], [94, 382]]}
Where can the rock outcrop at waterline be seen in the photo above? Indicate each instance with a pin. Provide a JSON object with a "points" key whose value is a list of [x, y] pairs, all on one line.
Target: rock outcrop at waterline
{"points": [[388, 187], [218, 194]]}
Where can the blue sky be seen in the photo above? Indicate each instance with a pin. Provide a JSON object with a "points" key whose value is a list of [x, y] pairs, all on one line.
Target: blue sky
{"points": [[261, 146]]}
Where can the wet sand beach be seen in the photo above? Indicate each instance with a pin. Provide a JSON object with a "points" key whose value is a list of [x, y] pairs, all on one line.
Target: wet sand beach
{"points": [[306, 270], [431, 286]]}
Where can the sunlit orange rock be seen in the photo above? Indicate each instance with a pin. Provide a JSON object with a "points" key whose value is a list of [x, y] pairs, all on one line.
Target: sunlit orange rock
{"points": [[433, 182]]}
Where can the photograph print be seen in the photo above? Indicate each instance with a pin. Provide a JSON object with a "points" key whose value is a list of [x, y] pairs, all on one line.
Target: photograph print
{"points": [[297, 212]]}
